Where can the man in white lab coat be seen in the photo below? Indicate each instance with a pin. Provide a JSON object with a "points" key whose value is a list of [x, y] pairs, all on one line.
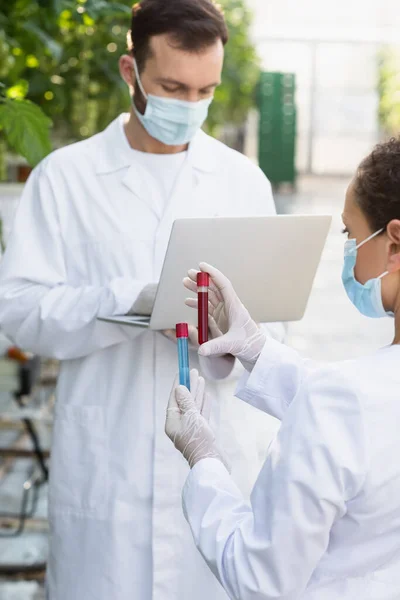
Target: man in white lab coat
{"points": [[89, 241]]}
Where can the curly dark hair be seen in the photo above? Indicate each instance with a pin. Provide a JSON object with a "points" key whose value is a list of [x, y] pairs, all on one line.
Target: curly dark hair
{"points": [[377, 184]]}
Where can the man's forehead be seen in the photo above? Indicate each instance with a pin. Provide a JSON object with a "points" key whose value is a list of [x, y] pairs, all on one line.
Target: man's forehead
{"points": [[165, 50]]}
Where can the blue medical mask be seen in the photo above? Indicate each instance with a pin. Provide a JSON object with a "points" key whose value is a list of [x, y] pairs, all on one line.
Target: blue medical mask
{"points": [[367, 297], [170, 121]]}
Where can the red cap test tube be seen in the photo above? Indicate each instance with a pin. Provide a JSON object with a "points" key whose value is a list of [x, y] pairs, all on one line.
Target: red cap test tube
{"points": [[203, 283], [182, 335]]}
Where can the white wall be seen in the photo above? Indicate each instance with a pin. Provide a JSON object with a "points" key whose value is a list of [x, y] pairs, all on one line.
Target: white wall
{"points": [[332, 47]]}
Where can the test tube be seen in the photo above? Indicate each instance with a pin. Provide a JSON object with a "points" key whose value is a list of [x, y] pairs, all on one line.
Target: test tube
{"points": [[182, 335], [203, 282]]}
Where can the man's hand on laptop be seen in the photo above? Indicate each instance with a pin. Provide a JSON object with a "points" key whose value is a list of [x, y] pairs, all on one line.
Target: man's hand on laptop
{"points": [[144, 303]]}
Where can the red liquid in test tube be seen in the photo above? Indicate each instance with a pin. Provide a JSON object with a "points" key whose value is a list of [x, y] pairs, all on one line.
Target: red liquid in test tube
{"points": [[203, 282]]}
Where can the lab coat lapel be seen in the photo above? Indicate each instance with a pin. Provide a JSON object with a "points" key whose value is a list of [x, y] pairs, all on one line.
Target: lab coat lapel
{"points": [[113, 154], [135, 180]]}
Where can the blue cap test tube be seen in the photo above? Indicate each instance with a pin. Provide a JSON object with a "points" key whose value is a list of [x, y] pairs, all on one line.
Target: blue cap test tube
{"points": [[182, 335]]}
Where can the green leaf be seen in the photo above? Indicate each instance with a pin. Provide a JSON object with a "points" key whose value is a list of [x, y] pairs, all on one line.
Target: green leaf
{"points": [[54, 47], [102, 8], [26, 129], [57, 6]]}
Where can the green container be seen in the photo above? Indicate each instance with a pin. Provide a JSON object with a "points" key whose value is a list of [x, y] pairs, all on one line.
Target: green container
{"points": [[277, 129]]}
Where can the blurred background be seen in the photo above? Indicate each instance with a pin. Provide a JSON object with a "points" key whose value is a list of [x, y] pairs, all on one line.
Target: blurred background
{"points": [[309, 88]]}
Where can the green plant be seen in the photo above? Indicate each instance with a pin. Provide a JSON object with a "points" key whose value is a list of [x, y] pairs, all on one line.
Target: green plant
{"points": [[389, 90], [66, 52], [236, 96], [24, 126], [62, 55]]}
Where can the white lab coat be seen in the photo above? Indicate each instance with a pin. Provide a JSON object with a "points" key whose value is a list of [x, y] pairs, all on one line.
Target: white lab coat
{"points": [[324, 518], [86, 240]]}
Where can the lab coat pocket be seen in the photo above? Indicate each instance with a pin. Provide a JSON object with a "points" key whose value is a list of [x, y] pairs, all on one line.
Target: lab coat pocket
{"points": [[79, 461]]}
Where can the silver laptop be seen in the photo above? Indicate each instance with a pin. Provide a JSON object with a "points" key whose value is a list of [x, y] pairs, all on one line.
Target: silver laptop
{"points": [[271, 261]]}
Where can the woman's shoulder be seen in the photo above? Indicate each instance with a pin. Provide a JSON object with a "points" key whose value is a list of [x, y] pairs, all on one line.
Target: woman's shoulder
{"points": [[333, 387], [358, 381]]}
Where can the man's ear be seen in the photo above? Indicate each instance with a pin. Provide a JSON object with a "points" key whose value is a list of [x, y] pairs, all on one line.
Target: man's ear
{"points": [[126, 70]]}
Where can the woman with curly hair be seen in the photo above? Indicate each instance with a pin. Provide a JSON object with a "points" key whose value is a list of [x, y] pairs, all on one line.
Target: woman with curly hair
{"points": [[324, 518]]}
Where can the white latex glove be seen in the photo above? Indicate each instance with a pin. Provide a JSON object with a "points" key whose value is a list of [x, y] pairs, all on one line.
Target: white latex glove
{"points": [[144, 303], [230, 323], [193, 336], [187, 419]]}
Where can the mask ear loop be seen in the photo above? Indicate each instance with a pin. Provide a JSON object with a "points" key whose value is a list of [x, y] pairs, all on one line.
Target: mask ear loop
{"points": [[383, 275], [135, 68], [371, 237]]}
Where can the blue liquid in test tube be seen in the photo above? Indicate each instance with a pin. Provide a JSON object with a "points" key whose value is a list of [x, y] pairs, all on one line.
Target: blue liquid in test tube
{"points": [[182, 335]]}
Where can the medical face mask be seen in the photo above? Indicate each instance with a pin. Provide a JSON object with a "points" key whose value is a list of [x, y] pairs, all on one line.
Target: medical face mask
{"points": [[367, 297], [170, 121]]}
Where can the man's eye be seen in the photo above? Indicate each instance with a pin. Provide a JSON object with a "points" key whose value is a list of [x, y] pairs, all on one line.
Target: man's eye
{"points": [[170, 90]]}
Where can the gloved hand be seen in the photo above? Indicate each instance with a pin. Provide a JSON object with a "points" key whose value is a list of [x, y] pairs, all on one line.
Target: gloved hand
{"points": [[187, 419], [230, 323], [144, 303]]}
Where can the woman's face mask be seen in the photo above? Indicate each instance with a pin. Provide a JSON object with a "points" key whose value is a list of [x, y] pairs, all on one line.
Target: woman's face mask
{"points": [[367, 297]]}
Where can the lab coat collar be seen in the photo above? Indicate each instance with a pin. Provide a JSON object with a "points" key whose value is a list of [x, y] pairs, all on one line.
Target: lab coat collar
{"points": [[114, 152]]}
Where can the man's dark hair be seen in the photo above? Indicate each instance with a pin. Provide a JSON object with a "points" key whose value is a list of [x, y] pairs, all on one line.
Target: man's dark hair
{"points": [[193, 25], [377, 184]]}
